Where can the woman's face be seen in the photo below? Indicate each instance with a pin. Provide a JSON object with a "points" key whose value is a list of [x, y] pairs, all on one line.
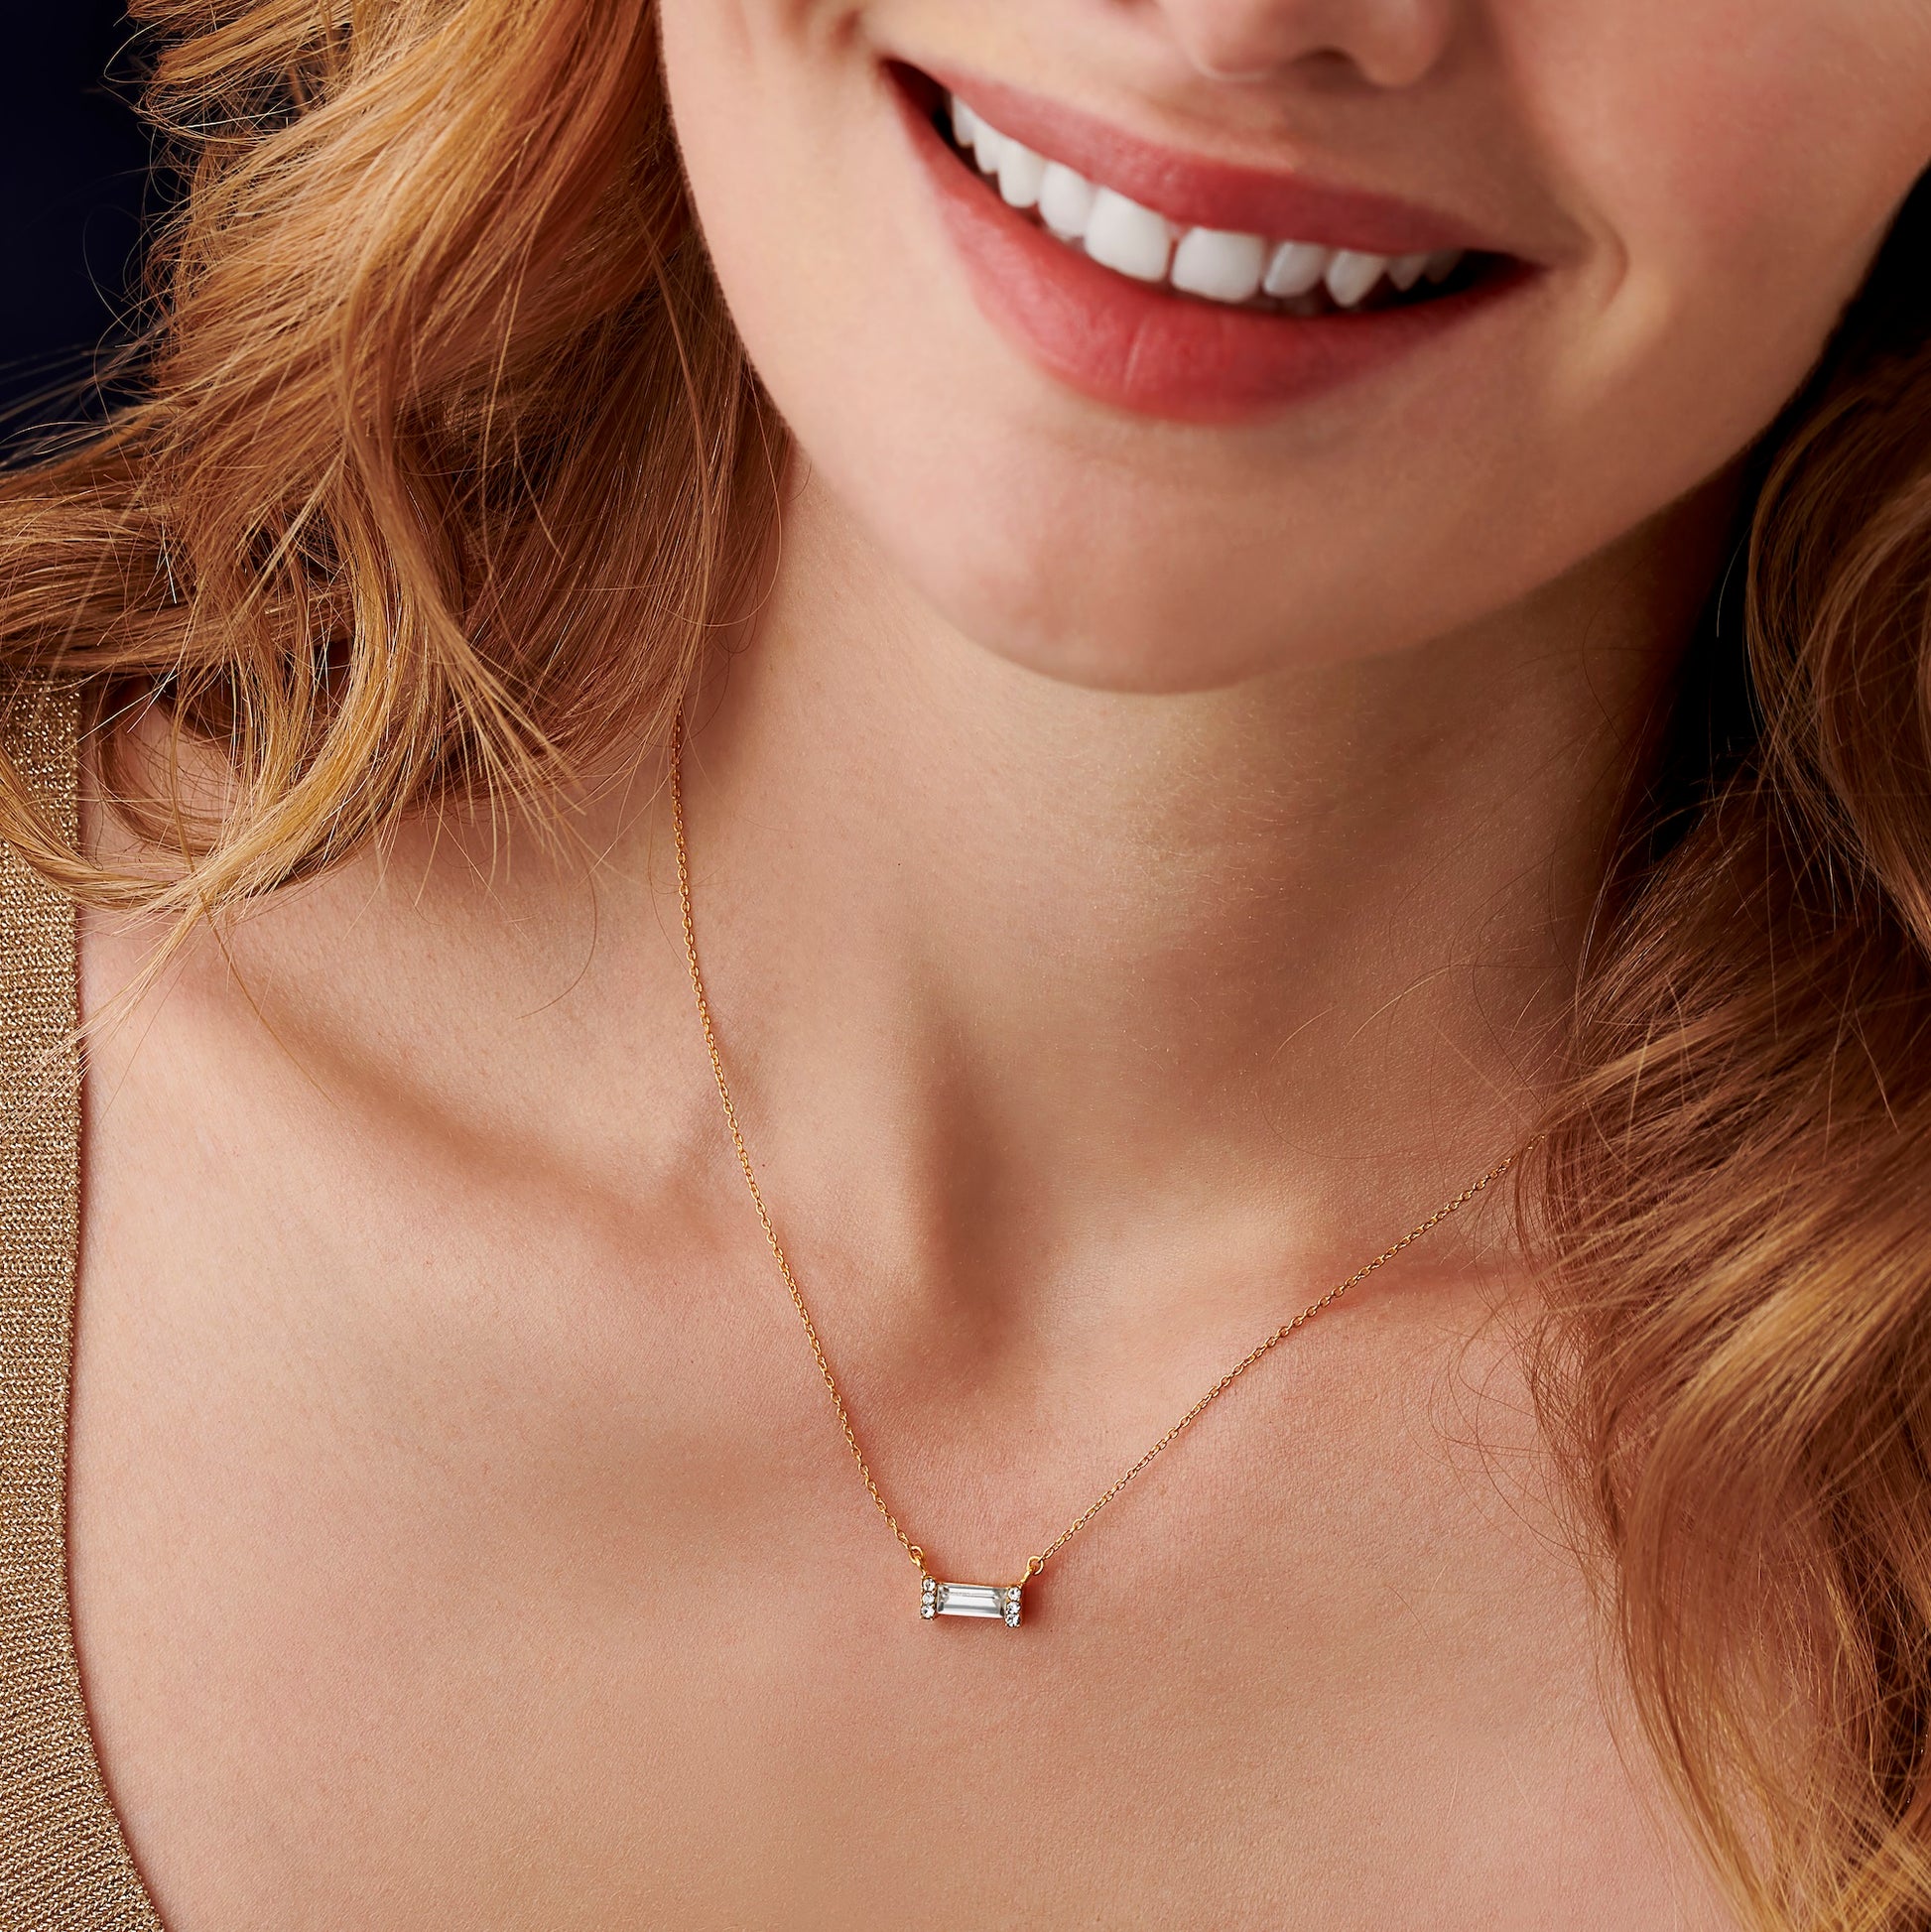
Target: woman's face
{"points": [[1646, 215]]}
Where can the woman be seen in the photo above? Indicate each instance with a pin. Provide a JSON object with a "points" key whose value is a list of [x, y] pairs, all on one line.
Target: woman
{"points": [[1236, 631]]}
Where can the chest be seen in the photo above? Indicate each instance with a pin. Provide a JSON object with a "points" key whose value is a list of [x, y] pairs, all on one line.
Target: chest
{"points": [[461, 1534], [411, 1592]]}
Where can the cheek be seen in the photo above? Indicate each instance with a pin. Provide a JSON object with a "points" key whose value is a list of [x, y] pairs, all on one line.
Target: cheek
{"points": [[730, 65], [836, 279], [1742, 158], [767, 99]]}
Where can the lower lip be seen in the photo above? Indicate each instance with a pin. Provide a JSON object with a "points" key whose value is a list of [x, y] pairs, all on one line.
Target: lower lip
{"points": [[1145, 348]]}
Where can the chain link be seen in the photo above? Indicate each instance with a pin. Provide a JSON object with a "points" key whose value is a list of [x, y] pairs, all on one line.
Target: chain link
{"points": [[1035, 1564]]}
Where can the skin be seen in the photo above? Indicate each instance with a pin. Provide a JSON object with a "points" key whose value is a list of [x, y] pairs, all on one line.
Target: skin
{"points": [[1140, 871]]}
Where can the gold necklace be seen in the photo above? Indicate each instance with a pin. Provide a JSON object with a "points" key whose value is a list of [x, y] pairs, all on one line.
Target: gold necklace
{"points": [[937, 1598]]}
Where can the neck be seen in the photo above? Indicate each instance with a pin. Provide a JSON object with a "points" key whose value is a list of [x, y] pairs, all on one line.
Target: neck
{"points": [[1055, 970]]}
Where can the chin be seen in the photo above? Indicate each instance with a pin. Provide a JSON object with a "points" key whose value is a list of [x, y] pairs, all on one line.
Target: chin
{"points": [[1166, 637], [1084, 577]]}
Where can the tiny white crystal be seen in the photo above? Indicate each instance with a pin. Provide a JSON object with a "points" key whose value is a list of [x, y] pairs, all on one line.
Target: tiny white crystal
{"points": [[974, 1600]]}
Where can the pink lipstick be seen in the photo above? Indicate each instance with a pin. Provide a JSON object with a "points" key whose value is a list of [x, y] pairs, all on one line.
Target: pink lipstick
{"points": [[1135, 341]]}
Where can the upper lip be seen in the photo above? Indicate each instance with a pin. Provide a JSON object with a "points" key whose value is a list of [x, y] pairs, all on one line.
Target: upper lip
{"points": [[1202, 191]]}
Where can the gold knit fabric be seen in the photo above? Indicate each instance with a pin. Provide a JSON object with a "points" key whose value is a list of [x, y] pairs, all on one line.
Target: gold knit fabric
{"points": [[63, 1863]]}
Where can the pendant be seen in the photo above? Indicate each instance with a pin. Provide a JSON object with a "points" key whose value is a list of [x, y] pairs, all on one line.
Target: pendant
{"points": [[938, 1599]]}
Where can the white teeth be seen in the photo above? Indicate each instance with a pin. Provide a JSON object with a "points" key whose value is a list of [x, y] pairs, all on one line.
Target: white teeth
{"points": [[1225, 267], [1064, 201], [1406, 270], [1351, 275], [1217, 264], [1297, 268], [1127, 238], [1020, 171]]}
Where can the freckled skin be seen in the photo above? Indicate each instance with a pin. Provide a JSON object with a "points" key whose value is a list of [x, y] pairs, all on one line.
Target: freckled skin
{"points": [[459, 1534]]}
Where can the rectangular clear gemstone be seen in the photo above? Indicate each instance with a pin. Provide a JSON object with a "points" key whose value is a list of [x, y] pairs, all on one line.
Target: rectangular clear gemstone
{"points": [[971, 1600]]}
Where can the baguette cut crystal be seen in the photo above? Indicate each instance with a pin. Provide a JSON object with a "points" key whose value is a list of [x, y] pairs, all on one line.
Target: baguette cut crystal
{"points": [[994, 1599]]}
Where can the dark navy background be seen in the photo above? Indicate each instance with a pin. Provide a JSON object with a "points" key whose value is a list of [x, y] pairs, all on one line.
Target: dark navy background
{"points": [[72, 164]]}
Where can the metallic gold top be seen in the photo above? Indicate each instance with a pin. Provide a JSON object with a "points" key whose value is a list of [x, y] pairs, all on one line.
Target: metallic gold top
{"points": [[63, 1862]]}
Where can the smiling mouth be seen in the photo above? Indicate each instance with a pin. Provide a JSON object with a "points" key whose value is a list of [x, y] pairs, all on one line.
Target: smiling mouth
{"points": [[1181, 286], [1268, 273]]}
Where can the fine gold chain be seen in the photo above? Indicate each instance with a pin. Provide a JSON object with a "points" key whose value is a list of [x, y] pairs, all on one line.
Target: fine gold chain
{"points": [[1263, 1348]]}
